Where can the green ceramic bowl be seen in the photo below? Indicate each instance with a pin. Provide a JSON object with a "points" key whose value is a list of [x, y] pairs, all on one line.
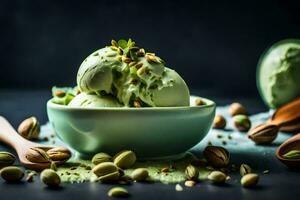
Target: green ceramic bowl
{"points": [[152, 133]]}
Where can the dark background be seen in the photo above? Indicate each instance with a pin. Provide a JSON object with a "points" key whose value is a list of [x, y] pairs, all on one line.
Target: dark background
{"points": [[214, 45]]}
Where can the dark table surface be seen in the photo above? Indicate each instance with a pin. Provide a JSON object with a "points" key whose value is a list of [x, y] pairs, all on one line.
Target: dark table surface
{"points": [[280, 183]]}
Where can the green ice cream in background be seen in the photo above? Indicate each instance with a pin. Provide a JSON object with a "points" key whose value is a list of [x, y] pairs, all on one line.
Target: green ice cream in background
{"points": [[129, 74], [278, 73]]}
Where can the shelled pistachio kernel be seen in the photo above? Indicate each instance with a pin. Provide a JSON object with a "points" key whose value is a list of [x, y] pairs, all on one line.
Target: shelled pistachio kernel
{"points": [[199, 102], [217, 177], [106, 172], [118, 192], [219, 122], [29, 128], [140, 174], [178, 188], [242, 122], [12, 173], [245, 169], [191, 173], [189, 183], [100, 158], [237, 109], [216, 156], [37, 155], [249, 180], [59, 154], [6, 159], [125, 159], [292, 154], [50, 178]]}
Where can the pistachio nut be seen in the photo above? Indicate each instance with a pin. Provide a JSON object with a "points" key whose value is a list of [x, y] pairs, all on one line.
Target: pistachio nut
{"points": [[125, 159], [219, 122], [245, 169], [249, 180], [59, 154], [178, 188], [199, 102], [216, 156], [140, 174], [50, 178], [6, 159], [106, 171], [37, 155], [237, 109], [217, 177], [191, 172], [101, 157], [118, 192], [263, 133], [242, 122], [29, 128], [30, 176], [12, 173], [189, 183], [293, 154]]}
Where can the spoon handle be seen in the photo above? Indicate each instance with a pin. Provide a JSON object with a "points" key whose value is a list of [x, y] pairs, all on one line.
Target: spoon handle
{"points": [[9, 136]]}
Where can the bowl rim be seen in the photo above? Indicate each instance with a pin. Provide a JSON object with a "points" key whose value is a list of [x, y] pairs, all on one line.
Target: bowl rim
{"points": [[209, 104]]}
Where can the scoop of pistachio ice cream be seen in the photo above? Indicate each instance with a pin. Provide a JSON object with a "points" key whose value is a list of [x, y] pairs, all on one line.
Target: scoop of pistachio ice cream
{"points": [[278, 74], [131, 75], [93, 100]]}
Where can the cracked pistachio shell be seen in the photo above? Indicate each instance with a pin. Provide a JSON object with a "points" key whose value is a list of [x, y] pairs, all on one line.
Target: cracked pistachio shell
{"points": [[118, 192], [263, 133], [191, 172], [59, 154], [29, 128], [216, 156], [50, 178], [37, 155], [140, 174], [245, 169], [217, 177], [249, 180], [12, 173], [125, 159], [6, 159], [100, 158]]}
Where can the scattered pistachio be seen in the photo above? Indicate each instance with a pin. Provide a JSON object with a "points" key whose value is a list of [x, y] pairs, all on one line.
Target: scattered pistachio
{"points": [[242, 122], [12, 173], [101, 157], [216, 156], [106, 172], [237, 109], [30, 176], [140, 174], [125, 159], [293, 154], [245, 169], [6, 159], [50, 178], [178, 188], [217, 177], [228, 178], [249, 180], [59, 154], [263, 133], [190, 183], [37, 155], [219, 122], [29, 128], [118, 192], [191, 172]]}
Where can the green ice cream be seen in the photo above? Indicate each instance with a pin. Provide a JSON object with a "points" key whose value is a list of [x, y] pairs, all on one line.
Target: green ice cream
{"points": [[278, 75], [92, 101], [129, 74]]}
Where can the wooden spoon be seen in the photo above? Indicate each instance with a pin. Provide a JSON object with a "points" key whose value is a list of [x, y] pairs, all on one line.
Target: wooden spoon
{"points": [[287, 117], [292, 143], [9, 136]]}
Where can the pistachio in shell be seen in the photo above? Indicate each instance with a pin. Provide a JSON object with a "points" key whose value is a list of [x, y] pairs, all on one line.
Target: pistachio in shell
{"points": [[50, 178], [219, 122], [6, 159], [191, 173], [242, 123], [29, 128], [249, 180], [140, 174], [237, 109], [37, 155], [217, 177], [12, 173], [263, 133], [245, 169], [59, 154], [216, 156], [118, 192], [100, 158], [106, 172], [125, 159]]}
